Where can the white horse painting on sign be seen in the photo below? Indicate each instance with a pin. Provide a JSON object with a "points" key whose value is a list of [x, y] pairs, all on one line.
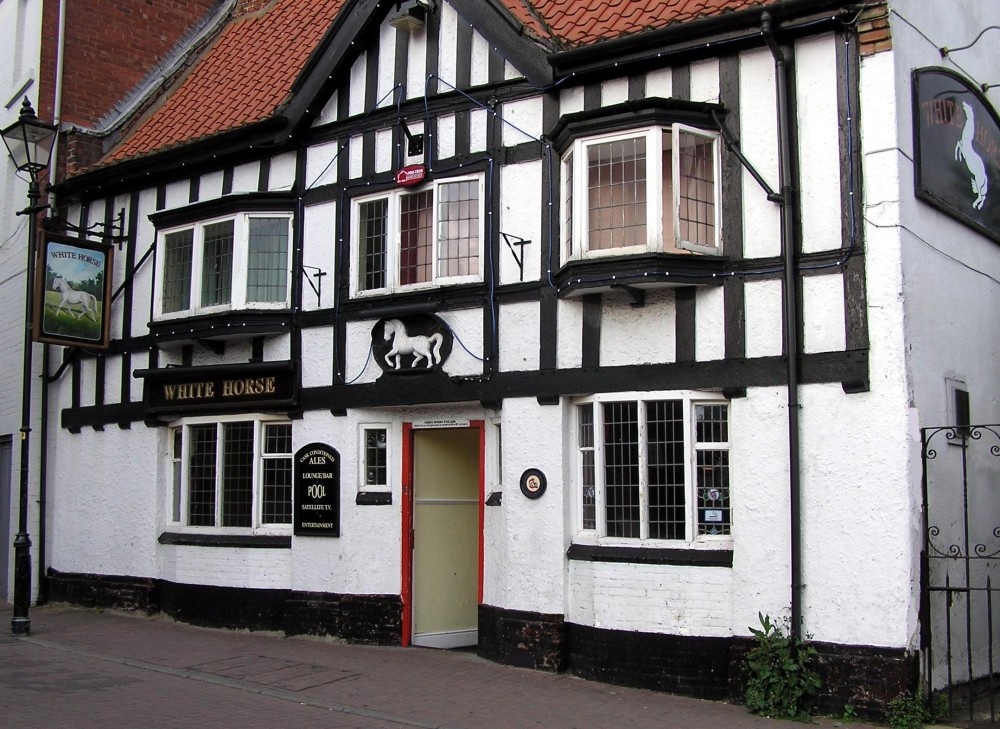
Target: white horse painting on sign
{"points": [[72, 297]]}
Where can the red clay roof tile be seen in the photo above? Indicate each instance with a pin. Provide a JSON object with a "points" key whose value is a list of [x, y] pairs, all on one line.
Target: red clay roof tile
{"points": [[242, 78], [584, 22]]}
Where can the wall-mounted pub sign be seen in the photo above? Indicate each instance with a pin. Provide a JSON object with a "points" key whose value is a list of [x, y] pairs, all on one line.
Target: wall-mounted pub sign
{"points": [[219, 388], [411, 345], [72, 292], [316, 480], [956, 133]]}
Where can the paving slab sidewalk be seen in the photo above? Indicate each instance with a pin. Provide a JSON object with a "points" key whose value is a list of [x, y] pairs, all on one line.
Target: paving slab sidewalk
{"points": [[86, 668]]}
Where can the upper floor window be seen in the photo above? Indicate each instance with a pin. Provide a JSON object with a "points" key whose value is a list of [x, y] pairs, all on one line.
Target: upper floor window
{"points": [[236, 262], [653, 467], [650, 190], [426, 237], [233, 473]]}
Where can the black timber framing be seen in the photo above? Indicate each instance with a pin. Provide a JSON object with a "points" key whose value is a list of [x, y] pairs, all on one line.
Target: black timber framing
{"points": [[851, 193], [548, 248], [849, 366], [128, 293], [732, 213]]}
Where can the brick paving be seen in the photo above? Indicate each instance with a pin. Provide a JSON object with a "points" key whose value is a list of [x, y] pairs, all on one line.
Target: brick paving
{"points": [[85, 668]]}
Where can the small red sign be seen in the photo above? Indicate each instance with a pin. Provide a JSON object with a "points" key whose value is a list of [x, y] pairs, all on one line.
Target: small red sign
{"points": [[411, 175]]}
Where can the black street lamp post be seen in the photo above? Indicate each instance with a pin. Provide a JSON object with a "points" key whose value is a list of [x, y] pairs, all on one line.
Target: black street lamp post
{"points": [[29, 143]]}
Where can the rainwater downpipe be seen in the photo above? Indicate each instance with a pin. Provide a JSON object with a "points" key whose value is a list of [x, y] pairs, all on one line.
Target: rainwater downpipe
{"points": [[788, 245]]}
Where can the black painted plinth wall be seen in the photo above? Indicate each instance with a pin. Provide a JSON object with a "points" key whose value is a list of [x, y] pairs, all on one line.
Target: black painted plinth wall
{"points": [[523, 639], [370, 619], [709, 668], [865, 677]]}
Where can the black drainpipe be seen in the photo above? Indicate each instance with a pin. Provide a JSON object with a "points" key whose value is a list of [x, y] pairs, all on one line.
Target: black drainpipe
{"points": [[788, 244]]}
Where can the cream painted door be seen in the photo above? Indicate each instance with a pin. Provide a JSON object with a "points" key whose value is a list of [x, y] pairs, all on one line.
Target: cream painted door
{"points": [[445, 537]]}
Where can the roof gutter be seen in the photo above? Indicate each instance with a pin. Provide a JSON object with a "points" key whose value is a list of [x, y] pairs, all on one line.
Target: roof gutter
{"points": [[270, 133], [698, 37]]}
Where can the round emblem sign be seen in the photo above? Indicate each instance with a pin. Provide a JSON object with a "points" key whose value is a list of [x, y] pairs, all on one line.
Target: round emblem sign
{"points": [[533, 483]]}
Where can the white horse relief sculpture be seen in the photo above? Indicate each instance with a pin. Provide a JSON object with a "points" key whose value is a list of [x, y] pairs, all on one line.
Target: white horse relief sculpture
{"points": [[421, 347], [965, 153], [71, 297]]}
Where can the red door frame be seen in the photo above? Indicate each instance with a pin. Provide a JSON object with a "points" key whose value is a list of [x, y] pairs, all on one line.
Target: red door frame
{"points": [[406, 591]]}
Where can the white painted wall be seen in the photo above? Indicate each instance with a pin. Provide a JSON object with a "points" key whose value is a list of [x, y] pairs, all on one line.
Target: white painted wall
{"points": [[860, 460]]}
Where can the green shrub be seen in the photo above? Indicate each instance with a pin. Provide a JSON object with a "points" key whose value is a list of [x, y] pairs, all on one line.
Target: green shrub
{"points": [[909, 712], [779, 680]]}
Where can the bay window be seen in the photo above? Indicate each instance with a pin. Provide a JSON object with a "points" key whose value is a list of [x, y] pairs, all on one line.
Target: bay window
{"points": [[654, 189], [413, 238], [653, 467], [237, 262]]}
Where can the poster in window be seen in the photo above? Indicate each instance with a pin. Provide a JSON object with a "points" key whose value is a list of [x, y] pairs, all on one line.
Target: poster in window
{"points": [[73, 293]]}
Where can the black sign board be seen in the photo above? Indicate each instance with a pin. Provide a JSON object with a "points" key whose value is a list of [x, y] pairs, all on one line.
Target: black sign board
{"points": [[316, 478], [218, 388], [956, 133]]}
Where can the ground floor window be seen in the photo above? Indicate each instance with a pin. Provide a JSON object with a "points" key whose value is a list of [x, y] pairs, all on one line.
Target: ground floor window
{"points": [[654, 466], [235, 473], [374, 457]]}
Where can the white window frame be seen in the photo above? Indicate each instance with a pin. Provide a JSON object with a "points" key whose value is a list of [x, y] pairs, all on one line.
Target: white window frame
{"points": [[574, 228], [257, 527], [241, 249], [393, 198], [689, 399], [363, 430]]}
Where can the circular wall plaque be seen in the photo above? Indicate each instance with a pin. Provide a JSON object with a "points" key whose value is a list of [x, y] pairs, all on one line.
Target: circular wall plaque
{"points": [[533, 483]]}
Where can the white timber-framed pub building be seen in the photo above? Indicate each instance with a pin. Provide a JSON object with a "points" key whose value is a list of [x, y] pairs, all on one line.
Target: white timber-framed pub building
{"points": [[580, 336]]}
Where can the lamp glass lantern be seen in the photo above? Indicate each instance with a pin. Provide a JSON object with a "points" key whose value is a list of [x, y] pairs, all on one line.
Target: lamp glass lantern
{"points": [[29, 141]]}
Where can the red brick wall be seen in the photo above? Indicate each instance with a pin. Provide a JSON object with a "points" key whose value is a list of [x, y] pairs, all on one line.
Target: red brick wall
{"points": [[873, 29], [110, 47]]}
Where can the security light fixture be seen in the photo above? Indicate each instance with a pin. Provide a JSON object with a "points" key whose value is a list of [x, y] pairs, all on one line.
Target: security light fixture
{"points": [[412, 15]]}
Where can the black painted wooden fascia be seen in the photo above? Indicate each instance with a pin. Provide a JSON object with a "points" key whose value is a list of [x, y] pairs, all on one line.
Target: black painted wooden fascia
{"points": [[684, 42], [507, 35]]}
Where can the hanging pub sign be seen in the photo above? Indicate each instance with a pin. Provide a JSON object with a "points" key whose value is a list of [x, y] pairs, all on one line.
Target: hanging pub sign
{"points": [[956, 134], [316, 479], [72, 298], [219, 388]]}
